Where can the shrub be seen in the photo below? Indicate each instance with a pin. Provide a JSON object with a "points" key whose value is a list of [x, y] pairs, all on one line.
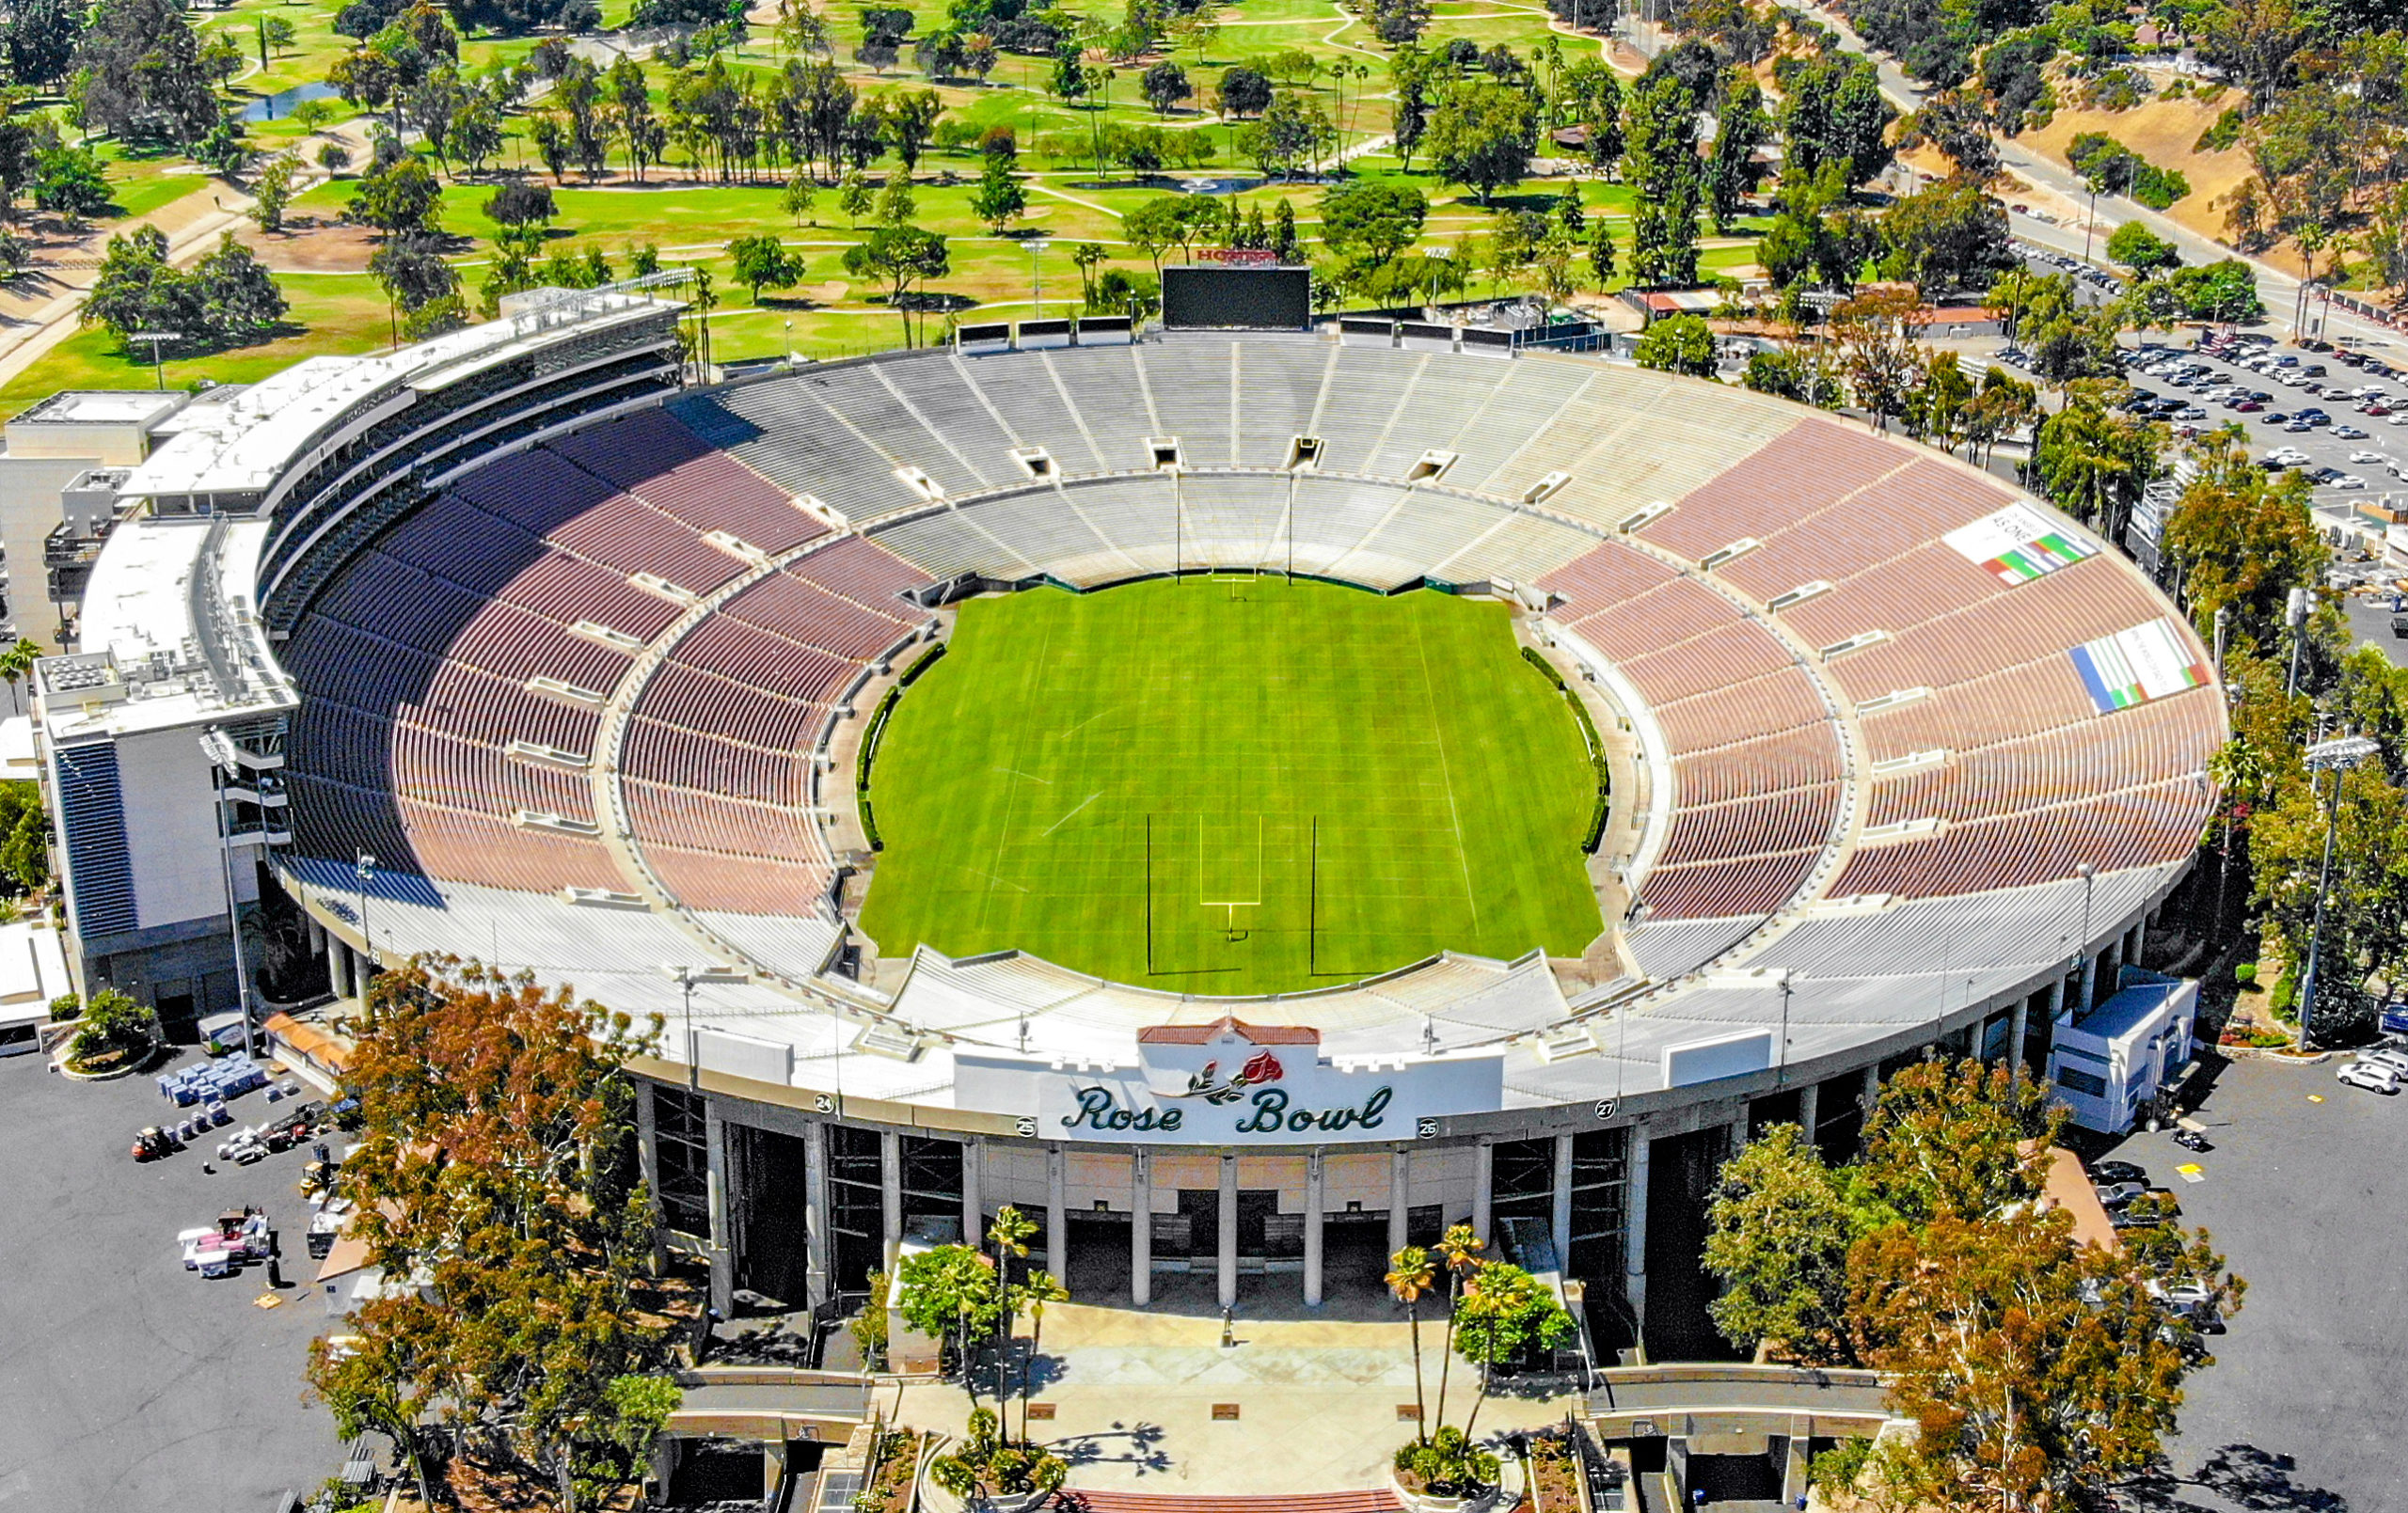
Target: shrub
{"points": [[2159, 188], [2225, 133], [113, 1023], [1603, 808], [65, 1006], [987, 1464], [2245, 974], [868, 1327], [1448, 1463]]}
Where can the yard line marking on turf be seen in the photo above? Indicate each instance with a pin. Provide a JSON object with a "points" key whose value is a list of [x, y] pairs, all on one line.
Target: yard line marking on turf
{"points": [[1445, 770], [1066, 819], [1000, 882], [1030, 776], [1089, 720]]}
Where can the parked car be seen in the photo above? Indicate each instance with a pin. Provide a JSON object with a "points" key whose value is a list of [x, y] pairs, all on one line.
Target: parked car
{"points": [[2386, 1056], [2117, 1195], [2346, 432], [2364, 454], [2371, 1077], [2106, 1171]]}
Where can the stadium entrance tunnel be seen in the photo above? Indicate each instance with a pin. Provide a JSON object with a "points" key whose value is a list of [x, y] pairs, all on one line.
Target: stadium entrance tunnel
{"points": [[773, 1261]]}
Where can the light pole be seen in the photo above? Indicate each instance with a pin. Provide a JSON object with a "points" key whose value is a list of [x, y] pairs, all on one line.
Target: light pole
{"points": [[158, 359], [2335, 756], [1781, 1076], [364, 868], [2295, 615], [2090, 967], [686, 977], [1035, 288]]}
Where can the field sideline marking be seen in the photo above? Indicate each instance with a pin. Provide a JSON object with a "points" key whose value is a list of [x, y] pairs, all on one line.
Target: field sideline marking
{"points": [[1445, 770], [1066, 819]]}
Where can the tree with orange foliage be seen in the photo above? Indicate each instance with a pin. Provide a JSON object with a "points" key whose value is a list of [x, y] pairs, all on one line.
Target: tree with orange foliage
{"points": [[498, 1185]]}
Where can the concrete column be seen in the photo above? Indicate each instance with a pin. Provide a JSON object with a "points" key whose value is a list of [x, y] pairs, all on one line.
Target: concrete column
{"points": [[1141, 1230], [1483, 1189], [1810, 1105], [1559, 1227], [1793, 1462], [2018, 1024], [648, 1164], [973, 1207], [1226, 1231], [2090, 982], [2138, 938], [1057, 1214], [1314, 1202], [317, 932], [1739, 1129], [1634, 1229], [1872, 1094], [1399, 1193], [337, 967], [821, 1283], [723, 1257], [889, 1197]]}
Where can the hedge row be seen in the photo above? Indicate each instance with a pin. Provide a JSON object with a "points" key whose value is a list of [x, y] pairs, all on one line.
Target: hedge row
{"points": [[1602, 808], [867, 757]]}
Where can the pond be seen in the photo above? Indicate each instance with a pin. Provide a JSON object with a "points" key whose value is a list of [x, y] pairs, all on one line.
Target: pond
{"points": [[280, 104]]}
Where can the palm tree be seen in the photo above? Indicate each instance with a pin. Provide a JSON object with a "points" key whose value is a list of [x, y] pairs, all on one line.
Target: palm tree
{"points": [[1409, 1277], [1008, 1236], [1459, 1248], [15, 663], [1040, 1290]]}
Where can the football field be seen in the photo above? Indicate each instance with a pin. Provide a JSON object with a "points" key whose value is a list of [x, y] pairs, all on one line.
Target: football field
{"points": [[1232, 786]]}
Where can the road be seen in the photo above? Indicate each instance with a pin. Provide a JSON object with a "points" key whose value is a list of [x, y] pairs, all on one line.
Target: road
{"points": [[2278, 289]]}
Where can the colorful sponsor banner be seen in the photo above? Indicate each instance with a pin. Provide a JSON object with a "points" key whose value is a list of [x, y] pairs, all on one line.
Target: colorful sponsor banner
{"points": [[2135, 666], [2017, 544]]}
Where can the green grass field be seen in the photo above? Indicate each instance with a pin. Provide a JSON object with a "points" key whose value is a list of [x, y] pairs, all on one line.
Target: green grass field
{"points": [[1308, 783]]}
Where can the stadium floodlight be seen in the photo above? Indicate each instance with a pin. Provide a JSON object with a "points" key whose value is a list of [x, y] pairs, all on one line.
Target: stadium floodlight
{"points": [[686, 977], [2336, 757], [364, 868], [1036, 290], [158, 359]]}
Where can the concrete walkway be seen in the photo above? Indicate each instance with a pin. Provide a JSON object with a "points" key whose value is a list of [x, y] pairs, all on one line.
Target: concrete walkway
{"points": [[1317, 1401]]}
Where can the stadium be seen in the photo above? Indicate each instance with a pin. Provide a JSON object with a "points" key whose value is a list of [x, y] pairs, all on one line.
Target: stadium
{"points": [[1249, 798]]}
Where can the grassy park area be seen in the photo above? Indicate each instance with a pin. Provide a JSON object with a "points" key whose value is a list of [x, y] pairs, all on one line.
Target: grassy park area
{"points": [[688, 207]]}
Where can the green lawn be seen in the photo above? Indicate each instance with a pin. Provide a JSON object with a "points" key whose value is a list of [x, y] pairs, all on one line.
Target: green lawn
{"points": [[1308, 784]]}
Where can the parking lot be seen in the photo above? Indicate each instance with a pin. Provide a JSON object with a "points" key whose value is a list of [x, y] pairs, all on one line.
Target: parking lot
{"points": [[2299, 1411], [128, 1384]]}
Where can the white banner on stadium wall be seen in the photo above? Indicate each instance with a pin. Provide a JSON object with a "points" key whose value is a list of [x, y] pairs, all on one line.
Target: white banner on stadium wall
{"points": [[2135, 666], [2017, 544], [1230, 1084]]}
